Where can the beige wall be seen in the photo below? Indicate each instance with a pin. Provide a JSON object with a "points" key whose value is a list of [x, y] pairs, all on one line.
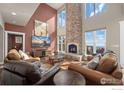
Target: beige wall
{"points": [[122, 43], [109, 20]]}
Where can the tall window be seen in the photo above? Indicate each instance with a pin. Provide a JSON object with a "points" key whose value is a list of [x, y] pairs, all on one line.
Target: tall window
{"points": [[95, 41], [61, 29], [61, 43], [94, 8], [61, 18]]}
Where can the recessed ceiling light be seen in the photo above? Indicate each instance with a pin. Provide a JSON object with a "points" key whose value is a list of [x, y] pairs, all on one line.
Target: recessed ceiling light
{"points": [[13, 13]]}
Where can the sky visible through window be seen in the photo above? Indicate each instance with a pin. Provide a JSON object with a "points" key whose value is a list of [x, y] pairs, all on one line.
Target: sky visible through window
{"points": [[98, 36], [94, 8], [61, 18]]}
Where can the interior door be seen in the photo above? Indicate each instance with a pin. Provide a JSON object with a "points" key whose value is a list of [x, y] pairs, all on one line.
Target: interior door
{"points": [[15, 42]]}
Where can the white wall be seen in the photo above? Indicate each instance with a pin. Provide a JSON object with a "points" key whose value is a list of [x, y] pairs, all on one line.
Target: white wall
{"points": [[1, 21], [1, 40], [109, 20], [122, 43]]}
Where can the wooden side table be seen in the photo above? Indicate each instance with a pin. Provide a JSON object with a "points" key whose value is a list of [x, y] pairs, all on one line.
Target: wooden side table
{"points": [[69, 77]]}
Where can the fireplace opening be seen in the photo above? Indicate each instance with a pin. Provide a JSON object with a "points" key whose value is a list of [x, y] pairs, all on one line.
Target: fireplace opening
{"points": [[72, 48]]}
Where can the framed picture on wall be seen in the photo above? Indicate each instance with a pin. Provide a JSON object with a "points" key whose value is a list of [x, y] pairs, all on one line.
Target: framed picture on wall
{"points": [[89, 50], [40, 28], [18, 39], [40, 41]]}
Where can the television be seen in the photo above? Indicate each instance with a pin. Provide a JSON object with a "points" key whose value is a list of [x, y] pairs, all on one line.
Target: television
{"points": [[40, 41]]}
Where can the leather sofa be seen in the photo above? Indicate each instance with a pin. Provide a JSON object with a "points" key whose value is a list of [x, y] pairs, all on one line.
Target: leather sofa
{"points": [[94, 77], [107, 72], [25, 73]]}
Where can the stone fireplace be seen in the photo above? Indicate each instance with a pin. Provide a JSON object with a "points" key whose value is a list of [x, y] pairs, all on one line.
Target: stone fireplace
{"points": [[73, 28]]}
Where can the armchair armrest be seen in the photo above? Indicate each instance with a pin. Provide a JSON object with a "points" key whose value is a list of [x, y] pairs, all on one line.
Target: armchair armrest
{"points": [[51, 72], [95, 76]]}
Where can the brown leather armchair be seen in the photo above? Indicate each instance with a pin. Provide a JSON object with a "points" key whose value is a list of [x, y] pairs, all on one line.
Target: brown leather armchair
{"points": [[106, 73]]}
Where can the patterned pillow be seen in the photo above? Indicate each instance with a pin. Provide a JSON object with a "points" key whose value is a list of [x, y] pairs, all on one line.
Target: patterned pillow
{"points": [[24, 56], [93, 63]]}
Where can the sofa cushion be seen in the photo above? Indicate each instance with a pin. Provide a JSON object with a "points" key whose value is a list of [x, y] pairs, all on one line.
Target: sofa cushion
{"points": [[28, 70], [107, 63], [13, 55]]}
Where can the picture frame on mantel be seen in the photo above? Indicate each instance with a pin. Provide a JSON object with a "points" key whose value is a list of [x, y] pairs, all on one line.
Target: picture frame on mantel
{"points": [[41, 28]]}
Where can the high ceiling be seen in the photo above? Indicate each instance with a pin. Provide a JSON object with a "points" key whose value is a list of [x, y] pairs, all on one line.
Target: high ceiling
{"points": [[20, 13], [56, 5]]}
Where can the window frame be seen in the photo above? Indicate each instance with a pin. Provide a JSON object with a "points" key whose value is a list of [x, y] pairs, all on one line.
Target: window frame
{"points": [[61, 31], [94, 10], [60, 10], [94, 38], [61, 43]]}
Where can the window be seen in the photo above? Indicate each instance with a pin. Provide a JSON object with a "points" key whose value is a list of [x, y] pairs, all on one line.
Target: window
{"points": [[94, 8], [61, 18], [61, 43], [95, 41], [61, 29]]}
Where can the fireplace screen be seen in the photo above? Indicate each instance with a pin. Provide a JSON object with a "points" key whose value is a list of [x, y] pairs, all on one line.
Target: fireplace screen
{"points": [[72, 48]]}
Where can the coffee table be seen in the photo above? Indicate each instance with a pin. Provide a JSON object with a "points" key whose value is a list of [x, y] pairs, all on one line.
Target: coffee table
{"points": [[69, 77]]}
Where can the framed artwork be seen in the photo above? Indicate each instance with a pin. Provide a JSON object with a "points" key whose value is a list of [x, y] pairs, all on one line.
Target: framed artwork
{"points": [[40, 41], [18, 39], [40, 28], [89, 50]]}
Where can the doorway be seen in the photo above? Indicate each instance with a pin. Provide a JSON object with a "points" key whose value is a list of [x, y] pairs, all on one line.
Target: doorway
{"points": [[14, 40]]}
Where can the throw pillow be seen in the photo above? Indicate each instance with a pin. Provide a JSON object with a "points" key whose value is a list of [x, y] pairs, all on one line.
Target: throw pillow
{"points": [[23, 55], [93, 63], [13, 55], [107, 63]]}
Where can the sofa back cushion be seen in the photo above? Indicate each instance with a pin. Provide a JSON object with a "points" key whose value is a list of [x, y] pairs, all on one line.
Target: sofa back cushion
{"points": [[25, 69], [107, 63], [13, 55]]}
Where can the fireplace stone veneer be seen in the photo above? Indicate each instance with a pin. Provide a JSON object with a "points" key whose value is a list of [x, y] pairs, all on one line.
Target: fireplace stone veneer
{"points": [[73, 28]]}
